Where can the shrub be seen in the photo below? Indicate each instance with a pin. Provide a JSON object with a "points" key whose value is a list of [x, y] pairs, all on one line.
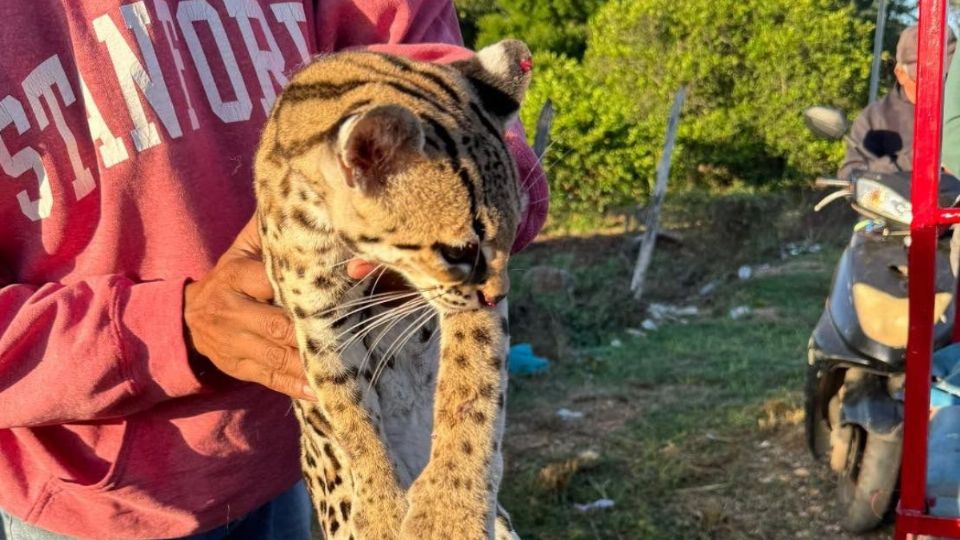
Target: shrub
{"points": [[750, 66]]}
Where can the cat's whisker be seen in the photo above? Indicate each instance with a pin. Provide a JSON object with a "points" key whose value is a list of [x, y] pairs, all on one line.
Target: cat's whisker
{"points": [[556, 138], [361, 281], [381, 320], [366, 303], [408, 297], [383, 294], [383, 270], [378, 367], [356, 301], [434, 337], [398, 315], [400, 342], [365, 332], [547, 149], [365, 278], [476, 261], [418, 305], [389, 323], [373, 347], [540, 159], [378, 318], [538, 201], [415, 302], [365, 327], [530, 176]]}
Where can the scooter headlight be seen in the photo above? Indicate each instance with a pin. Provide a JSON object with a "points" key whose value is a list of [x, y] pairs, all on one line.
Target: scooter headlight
{"points": [[883, 201]]}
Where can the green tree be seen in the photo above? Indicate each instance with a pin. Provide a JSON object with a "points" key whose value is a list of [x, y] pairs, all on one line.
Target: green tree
{"points": [[545, 25], [751, 66]]}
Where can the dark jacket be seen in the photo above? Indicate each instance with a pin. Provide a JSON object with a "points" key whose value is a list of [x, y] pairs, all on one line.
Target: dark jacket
{"points": [[884, 131]]}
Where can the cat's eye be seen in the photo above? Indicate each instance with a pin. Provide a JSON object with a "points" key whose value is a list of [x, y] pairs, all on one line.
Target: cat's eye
{"points": [[465, 254]]}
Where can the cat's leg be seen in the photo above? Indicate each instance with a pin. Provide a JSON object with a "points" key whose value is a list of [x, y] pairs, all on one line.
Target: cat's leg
{"points": [[323, 472], [503, 526], [311, 293], [377, 505], [454, 497], [327, 471]]}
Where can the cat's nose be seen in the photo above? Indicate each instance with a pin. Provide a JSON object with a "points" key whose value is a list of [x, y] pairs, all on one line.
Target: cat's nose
{"points": [[490, 301]]}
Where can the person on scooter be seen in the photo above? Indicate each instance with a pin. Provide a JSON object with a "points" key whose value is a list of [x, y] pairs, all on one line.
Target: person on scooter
{"points": [[881, 138]]}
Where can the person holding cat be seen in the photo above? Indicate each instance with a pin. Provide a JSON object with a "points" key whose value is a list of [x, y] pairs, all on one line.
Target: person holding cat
{"points": [[142, 366]]}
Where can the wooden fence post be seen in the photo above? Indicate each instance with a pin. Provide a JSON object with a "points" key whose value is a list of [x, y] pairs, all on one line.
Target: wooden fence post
{"points": [[877, 49], [652, 222], [541, 137]]}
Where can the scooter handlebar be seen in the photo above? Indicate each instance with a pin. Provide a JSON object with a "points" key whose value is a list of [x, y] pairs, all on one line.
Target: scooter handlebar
{"points": [[826, 182]]}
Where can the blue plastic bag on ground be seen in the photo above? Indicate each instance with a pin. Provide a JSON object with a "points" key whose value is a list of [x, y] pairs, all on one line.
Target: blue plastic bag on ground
{"points": [[522, 361]]}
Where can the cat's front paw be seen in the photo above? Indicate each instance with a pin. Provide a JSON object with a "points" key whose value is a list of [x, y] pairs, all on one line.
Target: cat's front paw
{"points": [[442, 505]]}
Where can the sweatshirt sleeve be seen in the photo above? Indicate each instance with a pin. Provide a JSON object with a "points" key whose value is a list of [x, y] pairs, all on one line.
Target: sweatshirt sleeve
{"points": [[951, 118], [854, 157], [101, 348], [428, 30]]}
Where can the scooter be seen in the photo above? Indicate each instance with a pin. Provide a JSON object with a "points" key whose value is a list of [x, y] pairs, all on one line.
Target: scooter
{"points": [[855, 358]]}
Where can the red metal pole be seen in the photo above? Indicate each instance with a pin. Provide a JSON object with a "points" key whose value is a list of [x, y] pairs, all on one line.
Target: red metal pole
{"points": [[926, 216], [916, 525], [949, 216]]}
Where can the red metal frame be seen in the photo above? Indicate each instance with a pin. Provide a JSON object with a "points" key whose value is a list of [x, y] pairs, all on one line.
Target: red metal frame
{"points": [[928, 217]]}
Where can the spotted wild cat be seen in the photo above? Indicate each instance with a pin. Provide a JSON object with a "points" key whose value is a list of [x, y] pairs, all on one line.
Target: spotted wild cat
{"points": [[404, 164]]}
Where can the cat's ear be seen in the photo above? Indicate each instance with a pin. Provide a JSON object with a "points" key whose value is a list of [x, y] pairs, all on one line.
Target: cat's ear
{"points": [[500, 75], [376, 143]]}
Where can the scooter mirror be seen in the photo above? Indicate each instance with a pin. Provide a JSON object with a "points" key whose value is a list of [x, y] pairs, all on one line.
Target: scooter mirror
{"points": [[826, 122]]}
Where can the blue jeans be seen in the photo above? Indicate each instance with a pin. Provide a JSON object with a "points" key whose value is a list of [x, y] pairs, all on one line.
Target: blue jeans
{"points": [[287, 517]]}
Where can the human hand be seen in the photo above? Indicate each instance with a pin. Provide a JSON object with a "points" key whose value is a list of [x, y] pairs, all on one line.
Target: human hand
{"points": [[359, 268], [228, 320]]}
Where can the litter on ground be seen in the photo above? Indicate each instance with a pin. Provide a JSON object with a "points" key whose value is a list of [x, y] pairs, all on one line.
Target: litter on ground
{"points": [[599, 504], [567, 414]]}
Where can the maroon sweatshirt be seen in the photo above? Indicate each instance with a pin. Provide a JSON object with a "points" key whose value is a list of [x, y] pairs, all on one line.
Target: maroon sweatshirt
{"points": [[127, 131]]}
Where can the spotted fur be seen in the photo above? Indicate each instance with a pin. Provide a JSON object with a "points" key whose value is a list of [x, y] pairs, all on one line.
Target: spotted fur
{"points": [[401, 163]]}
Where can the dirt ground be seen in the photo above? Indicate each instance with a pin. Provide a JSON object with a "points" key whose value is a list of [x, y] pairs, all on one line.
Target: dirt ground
{"points": [[774, 490], [751, 479], [760, 484]]}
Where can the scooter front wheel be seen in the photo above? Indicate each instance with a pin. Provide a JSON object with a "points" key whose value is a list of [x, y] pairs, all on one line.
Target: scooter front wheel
{"points": [[868, 481]]}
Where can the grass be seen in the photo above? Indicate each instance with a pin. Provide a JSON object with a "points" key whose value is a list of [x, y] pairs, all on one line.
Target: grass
{"points": [[674, 415]]}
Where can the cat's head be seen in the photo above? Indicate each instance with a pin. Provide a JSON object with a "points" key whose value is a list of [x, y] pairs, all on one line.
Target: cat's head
{"points": [[424, 182]]}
